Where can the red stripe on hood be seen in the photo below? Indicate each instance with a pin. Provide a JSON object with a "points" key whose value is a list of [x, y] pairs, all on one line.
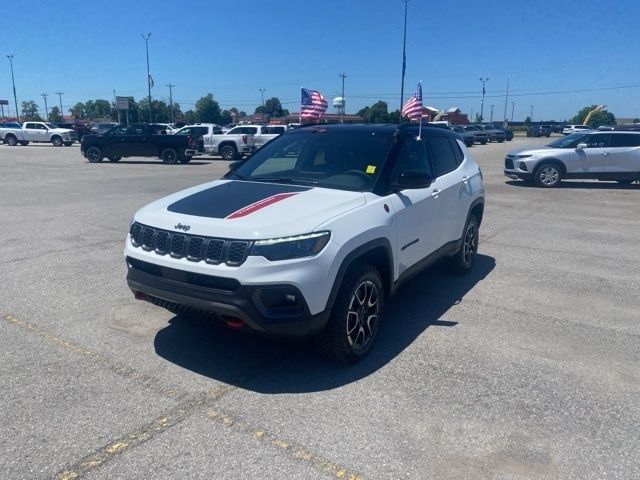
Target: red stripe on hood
{"points": [[244, 211]]}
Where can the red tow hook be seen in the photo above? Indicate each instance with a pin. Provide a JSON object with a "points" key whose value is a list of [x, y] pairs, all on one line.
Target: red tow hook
{"points": [[234, 323], [141, 296]]}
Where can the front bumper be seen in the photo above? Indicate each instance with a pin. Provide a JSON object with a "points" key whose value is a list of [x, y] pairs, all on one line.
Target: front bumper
{"points": [[277, 310], [518, 175]]}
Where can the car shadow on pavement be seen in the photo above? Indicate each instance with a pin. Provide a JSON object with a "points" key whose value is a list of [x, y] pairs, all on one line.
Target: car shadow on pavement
{"points": [[264, 365], [588, 185], [149, 162]]}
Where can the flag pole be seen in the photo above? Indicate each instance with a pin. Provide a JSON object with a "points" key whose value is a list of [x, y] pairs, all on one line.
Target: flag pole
{"points": [[404, 58]]}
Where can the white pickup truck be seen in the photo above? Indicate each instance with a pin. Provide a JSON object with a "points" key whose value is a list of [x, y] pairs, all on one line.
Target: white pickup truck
{"points": [[43, 132], [256, 135]]}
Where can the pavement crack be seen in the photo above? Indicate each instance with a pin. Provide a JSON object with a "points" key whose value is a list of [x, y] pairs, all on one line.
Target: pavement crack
{"points": [[61, 250]]}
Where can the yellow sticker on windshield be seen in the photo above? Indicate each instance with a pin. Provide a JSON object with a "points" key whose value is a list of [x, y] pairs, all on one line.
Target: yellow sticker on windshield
{"points": [[371, 169]]}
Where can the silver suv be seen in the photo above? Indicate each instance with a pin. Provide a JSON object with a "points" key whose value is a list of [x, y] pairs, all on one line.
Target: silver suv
{"points": [[611, 155]]}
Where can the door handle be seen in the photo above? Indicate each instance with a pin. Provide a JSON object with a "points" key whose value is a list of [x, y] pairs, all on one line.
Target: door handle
{"points": [[465, 179], [605, 153], [435, 193]]}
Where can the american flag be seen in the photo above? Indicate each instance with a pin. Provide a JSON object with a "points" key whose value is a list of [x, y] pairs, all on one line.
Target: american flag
{"points": [[312, 104], [413, 107]]}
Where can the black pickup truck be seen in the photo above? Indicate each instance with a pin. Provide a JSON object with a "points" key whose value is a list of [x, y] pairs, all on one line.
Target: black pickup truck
{"points": [[138, 140]]}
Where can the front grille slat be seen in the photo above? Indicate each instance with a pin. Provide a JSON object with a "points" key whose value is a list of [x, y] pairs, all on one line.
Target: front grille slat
{"points": [[194, 248]]}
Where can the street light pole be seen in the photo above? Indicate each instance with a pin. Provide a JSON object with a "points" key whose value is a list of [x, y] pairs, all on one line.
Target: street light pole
{"points": [[262, 90], [404, 57], [146, 41], [531, 116], [483, 80], [506, 98], [46, 108], [491, 121], [60, 98], [513, 105], [170, 85], [343, 103], [13, 81]]}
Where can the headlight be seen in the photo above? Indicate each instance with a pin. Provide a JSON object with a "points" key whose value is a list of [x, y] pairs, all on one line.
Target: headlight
{"points": [[523, 156], [291, 247]]}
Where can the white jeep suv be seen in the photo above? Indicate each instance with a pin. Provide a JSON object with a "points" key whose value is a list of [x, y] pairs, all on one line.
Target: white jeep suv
{"points": [[310, 234]]}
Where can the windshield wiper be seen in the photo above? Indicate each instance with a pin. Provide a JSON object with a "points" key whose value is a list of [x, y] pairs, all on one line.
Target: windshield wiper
{"points": [[282, 179], [236, 175]]}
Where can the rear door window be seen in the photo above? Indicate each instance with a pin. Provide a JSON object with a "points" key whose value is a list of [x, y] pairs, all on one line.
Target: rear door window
{"points": [[625, 140], [442, 156], [599, 140]]}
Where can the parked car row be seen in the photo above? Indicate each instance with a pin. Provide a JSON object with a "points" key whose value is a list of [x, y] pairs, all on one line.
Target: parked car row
{"points": [[482, 134]]}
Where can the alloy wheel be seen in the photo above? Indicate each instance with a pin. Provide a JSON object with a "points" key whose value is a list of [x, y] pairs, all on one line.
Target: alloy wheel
{"points": [[362, 316]]}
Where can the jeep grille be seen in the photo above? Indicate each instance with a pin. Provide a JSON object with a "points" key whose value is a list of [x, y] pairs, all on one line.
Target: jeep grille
{"points": [[194, 248]]}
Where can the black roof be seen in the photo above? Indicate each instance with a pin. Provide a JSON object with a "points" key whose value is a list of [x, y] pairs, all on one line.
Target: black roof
{"points": [[385, 128]]}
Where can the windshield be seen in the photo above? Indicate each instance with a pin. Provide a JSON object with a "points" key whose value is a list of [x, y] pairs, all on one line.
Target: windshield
{"points": [[344, 159], [570, 141], [51, 125]]}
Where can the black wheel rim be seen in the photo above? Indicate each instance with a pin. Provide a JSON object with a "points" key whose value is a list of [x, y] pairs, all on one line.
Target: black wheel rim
{"points": [[363, 315], [93, 154], [170, 156], [470, 245]]}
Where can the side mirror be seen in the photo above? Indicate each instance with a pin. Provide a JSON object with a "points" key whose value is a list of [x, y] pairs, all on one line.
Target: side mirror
{"points": [[581, 146], [411, 180], [233, 165]]}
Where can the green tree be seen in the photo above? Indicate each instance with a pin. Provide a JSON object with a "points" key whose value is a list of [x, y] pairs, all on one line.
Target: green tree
{"points": [[273, 108], [54, 115], [635, 120], [190, 117], [78, 110], [207, 109], [601, 117], [30, 110], [527, 120], [225, 117], [377, 113]]}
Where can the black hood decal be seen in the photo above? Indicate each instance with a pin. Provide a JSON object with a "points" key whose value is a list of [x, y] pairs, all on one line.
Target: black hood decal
{"points": [[231, 199]]}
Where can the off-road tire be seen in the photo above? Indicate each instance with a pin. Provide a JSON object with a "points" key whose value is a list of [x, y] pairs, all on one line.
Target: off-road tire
{"points": [[464, 259], [185, 159], [11, 140], [68, 144], [24, 143], [169, 156], [355, 318], [94, 155]]}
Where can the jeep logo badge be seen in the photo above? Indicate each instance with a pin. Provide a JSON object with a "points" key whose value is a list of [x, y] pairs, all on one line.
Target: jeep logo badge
{"points": [[180, 226]]}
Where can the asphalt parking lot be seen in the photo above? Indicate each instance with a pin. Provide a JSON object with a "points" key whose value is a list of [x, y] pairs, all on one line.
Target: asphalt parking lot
{"points": [[526, 369]]}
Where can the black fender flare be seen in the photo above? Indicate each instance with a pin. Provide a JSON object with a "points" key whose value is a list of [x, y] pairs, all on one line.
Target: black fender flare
{"points": [[358, 254]]}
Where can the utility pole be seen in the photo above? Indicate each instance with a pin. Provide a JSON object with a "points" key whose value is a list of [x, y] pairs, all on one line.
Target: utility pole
{"points": [[60, 98], [13, 81], [531, 115], [491, 121], [170, 85], [262, 90], [506, 98], [483, 80], [404, 57], [115, 104], [46, 108], [513, 105], [146, 41], [343, 76]]}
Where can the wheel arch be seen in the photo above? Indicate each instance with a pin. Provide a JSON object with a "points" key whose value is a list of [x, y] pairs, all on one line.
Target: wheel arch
{"points": [[377, 253], [554, 161]]}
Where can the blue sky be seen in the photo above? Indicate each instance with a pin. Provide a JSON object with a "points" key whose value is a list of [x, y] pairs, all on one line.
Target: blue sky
{"points": [[86, 49]]}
